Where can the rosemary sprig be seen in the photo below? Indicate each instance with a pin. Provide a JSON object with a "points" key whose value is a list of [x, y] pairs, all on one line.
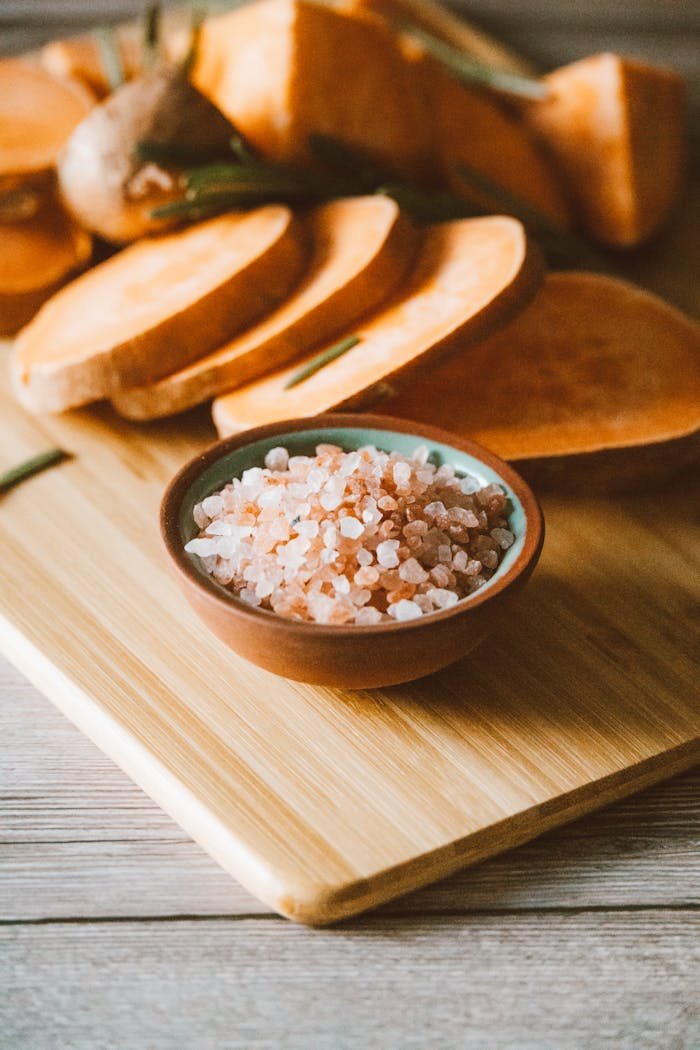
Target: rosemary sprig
{"points": [[172, 154], [473, 72], [30, 467], [339, 158], [197, 17], [560, 244], [321, 360], [426, 207], [151, 34], [110, 55]]}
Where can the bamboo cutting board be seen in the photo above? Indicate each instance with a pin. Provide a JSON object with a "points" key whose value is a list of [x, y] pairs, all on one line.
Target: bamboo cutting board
{"points": [[324, 803]]}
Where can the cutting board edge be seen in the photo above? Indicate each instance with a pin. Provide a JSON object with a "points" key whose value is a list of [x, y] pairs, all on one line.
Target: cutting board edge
{"points": [[305, 902]]}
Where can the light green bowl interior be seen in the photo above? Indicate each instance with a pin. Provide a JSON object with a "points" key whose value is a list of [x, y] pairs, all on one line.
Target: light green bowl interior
{"points": [[304, 442]]}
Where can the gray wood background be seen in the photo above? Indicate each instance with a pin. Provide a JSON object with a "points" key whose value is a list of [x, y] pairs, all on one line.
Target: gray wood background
{"points": [[118, 933]]}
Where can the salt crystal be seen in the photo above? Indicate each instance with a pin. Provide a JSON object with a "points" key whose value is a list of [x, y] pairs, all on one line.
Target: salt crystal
{"points": [[309, 529], [386, 554], [349, 465], [351, 528], [212, 506], [277, 458], [274, 535], [405, 610], [366, 576], [503, 537], [201, 519], [412, 572], [435, 509], [469, 485], [401, 473], [201, 547], [442, 598]]}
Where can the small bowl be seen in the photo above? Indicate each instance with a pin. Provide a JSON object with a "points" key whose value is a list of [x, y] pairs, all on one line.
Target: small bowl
{"points": [[348, 656]]}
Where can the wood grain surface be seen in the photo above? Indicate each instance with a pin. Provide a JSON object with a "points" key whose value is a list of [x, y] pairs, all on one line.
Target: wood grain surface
{"points": [[585, 938]]}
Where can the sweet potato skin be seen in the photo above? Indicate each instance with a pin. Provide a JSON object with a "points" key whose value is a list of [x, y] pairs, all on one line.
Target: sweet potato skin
{"points": [[596, 384], [614, 126], [39, 254], [315, 312], [44, 381], [98, 169]]}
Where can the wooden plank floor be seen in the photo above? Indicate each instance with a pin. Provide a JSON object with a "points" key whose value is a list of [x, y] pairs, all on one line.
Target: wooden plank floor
{"points": [[118, 932]]}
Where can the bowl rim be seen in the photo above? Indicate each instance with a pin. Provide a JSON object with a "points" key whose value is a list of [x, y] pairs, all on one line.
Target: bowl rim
{"points": [[185, 477]]}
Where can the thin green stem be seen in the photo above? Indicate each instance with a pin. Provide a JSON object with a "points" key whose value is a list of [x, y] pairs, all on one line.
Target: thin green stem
{"points": [[473, 72], [30, 467], [321, 360], [110, 56]]}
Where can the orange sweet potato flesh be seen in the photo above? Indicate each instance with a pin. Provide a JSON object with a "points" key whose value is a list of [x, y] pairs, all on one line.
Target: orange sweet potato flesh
{"points": [[614, 126], [282, 70], [597, 383], [37, 114], [39, 254], [361, 249], [156, 306], [470, 277], [473, 128]]}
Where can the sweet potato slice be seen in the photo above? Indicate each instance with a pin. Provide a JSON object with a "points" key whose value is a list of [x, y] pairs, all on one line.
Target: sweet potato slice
{"points": [[597, 382], [470, 277], [40, 252], [615, 127], [362, 247], [37, 114], [282, 70], [156, 306]]}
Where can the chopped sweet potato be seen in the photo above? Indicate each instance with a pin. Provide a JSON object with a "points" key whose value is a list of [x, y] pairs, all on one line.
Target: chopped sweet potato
{"points": [[38, 112], [362, 248], [615, 127], [104, 184], [282, 70], [597, 383], [155, 306], [472, 127], [470, 277], [40, 251], [453, 29]]}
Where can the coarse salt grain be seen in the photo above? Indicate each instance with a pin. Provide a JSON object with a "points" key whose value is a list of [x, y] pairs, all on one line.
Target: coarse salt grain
{"points": [[352, 537]]}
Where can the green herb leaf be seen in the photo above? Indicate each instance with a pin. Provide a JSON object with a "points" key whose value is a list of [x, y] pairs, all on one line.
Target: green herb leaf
{"points": [[560, 244], [30, 467], [242, 150], [151, 33], [172, 154], [321, 360], [473, 72], [340, 158], [110, 55], [197, 21], [424, 207]]}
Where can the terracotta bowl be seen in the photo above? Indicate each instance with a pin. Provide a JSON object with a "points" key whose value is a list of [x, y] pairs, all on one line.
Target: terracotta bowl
{"points": [[348, 656]]}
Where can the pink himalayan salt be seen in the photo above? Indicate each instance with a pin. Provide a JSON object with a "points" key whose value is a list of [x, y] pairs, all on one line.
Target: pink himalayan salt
{"points": [[352, 538]]}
